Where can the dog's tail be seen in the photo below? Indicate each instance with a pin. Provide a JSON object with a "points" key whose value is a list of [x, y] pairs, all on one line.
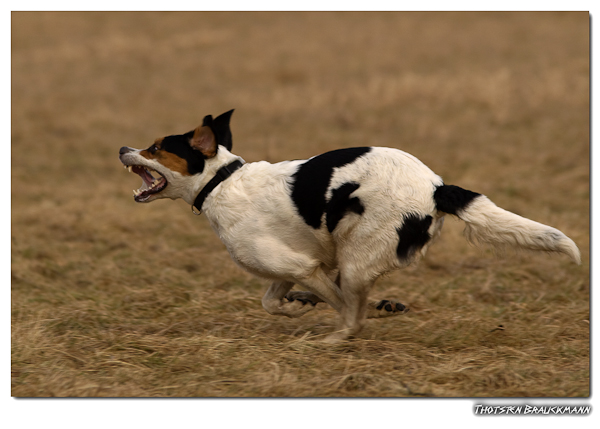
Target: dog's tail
{"points": [[488, 223]]}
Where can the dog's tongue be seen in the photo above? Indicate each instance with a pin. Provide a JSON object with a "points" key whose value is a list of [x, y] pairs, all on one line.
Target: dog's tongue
{"points": [[144, 174], [149, 186]]}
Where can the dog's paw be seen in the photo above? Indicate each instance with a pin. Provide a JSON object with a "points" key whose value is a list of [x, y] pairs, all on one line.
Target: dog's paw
{"points": [[295, 308], [385, 308], [294, 304], [303, 297]]}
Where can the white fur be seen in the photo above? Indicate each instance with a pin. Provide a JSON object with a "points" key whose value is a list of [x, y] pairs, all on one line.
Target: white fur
{"points": [[488, 223], [255, 217]]}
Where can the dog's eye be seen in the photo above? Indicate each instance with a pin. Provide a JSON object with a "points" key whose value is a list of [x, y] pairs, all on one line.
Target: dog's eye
{"points": [[153, 149]]}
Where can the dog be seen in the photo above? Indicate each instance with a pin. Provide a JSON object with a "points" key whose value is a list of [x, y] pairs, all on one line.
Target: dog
{"points": [[331, 224]]}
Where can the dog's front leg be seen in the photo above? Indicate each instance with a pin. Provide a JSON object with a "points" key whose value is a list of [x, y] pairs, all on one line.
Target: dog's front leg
{"points": [[275, 303]]}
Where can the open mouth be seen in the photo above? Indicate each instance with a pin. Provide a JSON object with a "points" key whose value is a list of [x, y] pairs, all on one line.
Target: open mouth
{"points": [[150, 185]]}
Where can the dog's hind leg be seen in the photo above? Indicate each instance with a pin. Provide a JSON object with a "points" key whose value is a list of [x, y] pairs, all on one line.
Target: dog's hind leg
{"points": [[355, 285], [275, 303], [379, 309], [355, 290]]}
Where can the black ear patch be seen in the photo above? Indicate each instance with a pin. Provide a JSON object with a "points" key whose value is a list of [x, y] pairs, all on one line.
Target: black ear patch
{"points": [[311, 181], [220, 128]]}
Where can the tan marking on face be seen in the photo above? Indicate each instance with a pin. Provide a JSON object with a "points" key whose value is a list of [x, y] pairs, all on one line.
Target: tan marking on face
{"points": [[168, 159], [172, 162]]}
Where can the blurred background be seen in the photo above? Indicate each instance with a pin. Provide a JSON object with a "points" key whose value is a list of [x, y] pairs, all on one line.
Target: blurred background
{"points": [[464, 92], [493, 102]]}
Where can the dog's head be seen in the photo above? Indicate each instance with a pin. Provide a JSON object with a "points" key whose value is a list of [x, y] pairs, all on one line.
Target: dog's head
{"points": [[171, 166]]}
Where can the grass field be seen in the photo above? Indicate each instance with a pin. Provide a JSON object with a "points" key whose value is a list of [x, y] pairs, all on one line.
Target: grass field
{"points": [[116, 299]]}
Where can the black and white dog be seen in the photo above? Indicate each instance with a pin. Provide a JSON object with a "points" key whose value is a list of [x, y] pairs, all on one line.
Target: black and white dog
{"points": [[331, 224]]}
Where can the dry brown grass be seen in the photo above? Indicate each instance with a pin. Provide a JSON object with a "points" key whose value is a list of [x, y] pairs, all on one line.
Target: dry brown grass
{"points": [[110, 298]]}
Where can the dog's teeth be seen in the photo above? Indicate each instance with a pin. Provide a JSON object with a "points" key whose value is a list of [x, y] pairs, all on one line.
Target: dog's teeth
{"points": [[129, 168]]}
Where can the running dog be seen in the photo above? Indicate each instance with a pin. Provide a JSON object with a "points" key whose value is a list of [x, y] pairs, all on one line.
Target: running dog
{"points": [[331, 224]]}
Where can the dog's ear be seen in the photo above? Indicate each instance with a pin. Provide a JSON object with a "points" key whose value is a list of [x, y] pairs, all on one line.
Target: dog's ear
{"points": [[212, 133], [220, 127], [204, 139]]}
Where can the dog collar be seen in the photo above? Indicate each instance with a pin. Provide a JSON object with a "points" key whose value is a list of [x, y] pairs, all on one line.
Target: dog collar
{"points": [[222, 174]]}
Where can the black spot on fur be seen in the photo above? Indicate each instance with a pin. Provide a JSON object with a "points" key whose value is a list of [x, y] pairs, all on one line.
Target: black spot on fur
{"points": [[413, 235], [341, 203], [180, 146], [312, 179], [451, 199]]}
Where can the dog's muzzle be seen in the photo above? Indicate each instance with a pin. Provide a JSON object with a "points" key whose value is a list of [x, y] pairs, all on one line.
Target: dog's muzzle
{"points": [[150, 184]]}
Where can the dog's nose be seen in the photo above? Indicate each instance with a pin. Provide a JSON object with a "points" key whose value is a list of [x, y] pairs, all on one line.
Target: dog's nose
{"points": [[124, 150]]}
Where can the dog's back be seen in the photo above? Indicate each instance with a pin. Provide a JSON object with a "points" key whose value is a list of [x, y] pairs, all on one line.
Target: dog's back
{"points": [[367, 209]]}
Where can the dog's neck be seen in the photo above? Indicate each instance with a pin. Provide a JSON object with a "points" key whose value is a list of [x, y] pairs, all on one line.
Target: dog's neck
{"points": [[222, 174], [215, 168]]}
